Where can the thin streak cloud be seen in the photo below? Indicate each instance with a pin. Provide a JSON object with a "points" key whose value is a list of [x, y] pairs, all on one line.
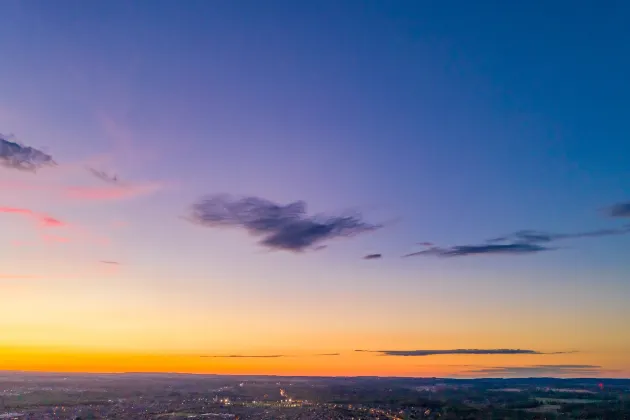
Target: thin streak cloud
{"points": [[517, 243], [250, 356], [465, 250], [117, 192], [104, 176], [532, 236], [113, 192], [422, 353], [373, 257], [268, 356], [42, 219], [538, 370]]}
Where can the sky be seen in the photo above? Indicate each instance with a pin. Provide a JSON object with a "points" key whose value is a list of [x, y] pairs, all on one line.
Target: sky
{"points": [[323, 187]]}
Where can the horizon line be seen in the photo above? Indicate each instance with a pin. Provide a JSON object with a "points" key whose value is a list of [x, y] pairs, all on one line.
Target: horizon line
{"points": [[450, 378]]}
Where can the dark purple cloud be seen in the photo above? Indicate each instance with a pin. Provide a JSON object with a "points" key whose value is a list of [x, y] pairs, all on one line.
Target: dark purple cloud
{"points": [[532, 236], [619, 210], [464, 250], [281, 227], [517, 243], [18, 156], [373, 257]]}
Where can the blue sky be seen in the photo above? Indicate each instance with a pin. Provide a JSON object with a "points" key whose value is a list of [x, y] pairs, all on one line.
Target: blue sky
{"points": [[451, 122]]}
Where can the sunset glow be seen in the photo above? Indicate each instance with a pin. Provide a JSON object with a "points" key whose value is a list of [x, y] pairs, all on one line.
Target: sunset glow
{"points": [[312, 188]]}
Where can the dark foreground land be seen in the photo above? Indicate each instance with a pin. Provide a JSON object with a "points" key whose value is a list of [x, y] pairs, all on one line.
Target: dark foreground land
{"points": [[163, 396]]}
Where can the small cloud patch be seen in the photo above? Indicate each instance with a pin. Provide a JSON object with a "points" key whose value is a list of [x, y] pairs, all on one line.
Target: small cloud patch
{"points": [[619, 210], [373, 257], [18, 156], [42, 219], [104, 176]]}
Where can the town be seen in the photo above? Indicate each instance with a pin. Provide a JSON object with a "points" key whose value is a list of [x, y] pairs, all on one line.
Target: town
{"points": [[27, 396]]}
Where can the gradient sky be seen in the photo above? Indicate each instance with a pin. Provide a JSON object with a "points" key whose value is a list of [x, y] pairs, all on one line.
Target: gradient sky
{"points": [[449, 122]]}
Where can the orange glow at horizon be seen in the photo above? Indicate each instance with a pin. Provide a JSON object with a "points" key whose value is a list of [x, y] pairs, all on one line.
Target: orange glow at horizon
{"points": [[348, 363]]}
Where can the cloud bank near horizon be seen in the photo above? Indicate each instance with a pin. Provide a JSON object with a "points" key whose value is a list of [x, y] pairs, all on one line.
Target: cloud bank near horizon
{"points": [[422, 353], [538, 371]]}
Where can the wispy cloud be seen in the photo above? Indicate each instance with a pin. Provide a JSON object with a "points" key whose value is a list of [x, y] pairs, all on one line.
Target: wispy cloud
{"points": [[250, 356], [411, 353], [104, 176], [282, 227], [110, 192], [532, 236], [619, 210], [517, 243], [110, 262], [71, 232], [464, 250], [373, 257], [118, 192], [42, 219], [14, 155], [267, 356], [538, 370]]}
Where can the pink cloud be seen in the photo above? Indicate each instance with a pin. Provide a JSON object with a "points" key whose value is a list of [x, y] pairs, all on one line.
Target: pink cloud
{"points": [[43, 219], [50, 222], [90, 193]]}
